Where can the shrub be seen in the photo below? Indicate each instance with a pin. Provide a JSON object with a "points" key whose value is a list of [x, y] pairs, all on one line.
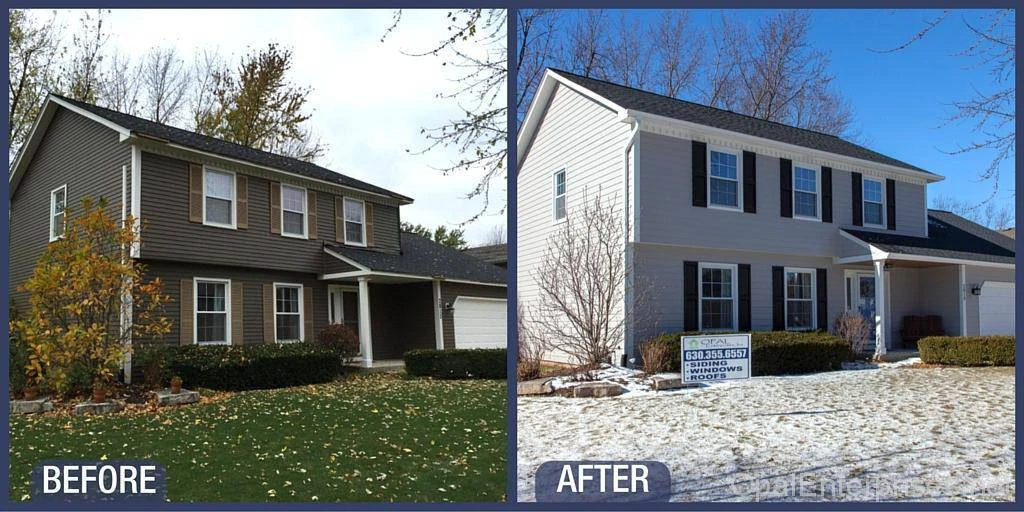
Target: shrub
{"points": [[775, 352], [153, 359], [18, 359], [656, 357], [257, 366], [969, 350], [339, 339], [854, 329], [477, 363]]}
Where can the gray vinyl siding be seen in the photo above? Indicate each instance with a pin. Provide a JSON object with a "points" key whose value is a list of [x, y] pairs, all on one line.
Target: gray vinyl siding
{"points": [[333, 265], [904, 299], [88, 158], [975, 276], [168, 234], [452, 291], [939, 294]]}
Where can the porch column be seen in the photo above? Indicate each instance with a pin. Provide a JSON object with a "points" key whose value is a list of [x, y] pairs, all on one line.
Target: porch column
{"points": [[438, 322], [365, 338], [880, 335]]}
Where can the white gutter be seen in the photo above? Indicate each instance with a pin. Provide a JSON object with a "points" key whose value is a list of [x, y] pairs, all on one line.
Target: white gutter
{"points": [[625, 161]]}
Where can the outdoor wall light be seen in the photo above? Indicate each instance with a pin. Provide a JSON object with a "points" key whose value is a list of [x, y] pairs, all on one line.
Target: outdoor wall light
{"points": [[975, 290]]}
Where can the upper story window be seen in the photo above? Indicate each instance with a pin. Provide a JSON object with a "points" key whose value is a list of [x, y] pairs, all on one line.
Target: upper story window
{"points": [[800, 290], [805, 192], [213, 321], [874, 202], [58, 211], [724, 179], [355, 226], [558, 206], [218, 198], [718, 296], [287, 312], [293, 211]]}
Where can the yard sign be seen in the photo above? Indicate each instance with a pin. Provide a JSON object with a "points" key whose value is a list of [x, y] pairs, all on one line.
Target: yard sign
{"points": [[716, 357]]}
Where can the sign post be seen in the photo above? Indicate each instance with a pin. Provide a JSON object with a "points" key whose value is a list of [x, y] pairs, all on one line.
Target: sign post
{"points": [[716, 357]]}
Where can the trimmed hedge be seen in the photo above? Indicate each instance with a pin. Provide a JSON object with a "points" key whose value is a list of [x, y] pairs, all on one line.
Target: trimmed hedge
{"points": [[969, 350], [474, 363], [257, 366], [777, 352]]}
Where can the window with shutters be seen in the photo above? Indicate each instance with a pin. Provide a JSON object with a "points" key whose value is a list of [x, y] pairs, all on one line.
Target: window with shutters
{"points": [[874, 202], [718, 294], [355, 223], [805, 192], [724, 176], [213, 316], [58, 208], [287, 312], [218, 198], [558, 193], [800, 294], [293, 211]]}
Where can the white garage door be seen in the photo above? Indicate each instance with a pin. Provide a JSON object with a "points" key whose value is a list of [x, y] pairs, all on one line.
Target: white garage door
{"points": [[996, 307], [480, 323]]}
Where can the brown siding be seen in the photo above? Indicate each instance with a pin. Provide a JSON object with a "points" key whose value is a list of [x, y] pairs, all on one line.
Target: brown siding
{"points": [[83, 154], [333, 265], [402, 318], [451, 291]]}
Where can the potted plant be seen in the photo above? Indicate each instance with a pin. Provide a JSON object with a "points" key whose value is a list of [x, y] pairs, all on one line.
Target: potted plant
{"points": [[175, 385], [31, 385], [99, 391]]}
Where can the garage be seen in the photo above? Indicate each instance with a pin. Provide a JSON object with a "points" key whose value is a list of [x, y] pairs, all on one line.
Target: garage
{"points": [[480, 322], [996, 308]]}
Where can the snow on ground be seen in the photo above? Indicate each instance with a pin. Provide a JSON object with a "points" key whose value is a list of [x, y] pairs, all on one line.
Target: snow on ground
{"points": [[891, 434]]}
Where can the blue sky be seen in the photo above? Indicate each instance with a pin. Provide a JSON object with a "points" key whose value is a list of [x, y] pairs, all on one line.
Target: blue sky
{"points": [[901, 100]]}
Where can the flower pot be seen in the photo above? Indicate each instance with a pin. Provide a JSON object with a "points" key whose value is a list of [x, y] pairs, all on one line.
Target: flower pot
{"points": [[31, 392], [99, 394], [176, 385]]}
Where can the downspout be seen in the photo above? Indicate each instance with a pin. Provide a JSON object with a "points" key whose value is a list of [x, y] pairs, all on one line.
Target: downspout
{"points": [[627, 343]]}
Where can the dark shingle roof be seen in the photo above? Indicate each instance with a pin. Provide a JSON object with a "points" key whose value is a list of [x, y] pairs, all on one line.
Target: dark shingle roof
{"points": [[229, 149], [949, 236], [421, 256], [643, 101], [493, 254]]}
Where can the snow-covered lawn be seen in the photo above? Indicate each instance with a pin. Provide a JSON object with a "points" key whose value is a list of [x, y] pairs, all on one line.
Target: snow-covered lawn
{"points": [[894, 433]]}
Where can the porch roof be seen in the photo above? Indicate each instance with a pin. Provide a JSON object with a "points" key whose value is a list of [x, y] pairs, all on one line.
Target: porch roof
{"points": [[421, 257], [949, 236]]}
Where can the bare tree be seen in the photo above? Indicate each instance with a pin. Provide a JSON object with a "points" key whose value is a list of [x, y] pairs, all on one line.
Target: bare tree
{"points": [[629, 55], [496, 236], [587, 52], [33, 52], [536, 43], [121, 90], [678, 47], [165, 79], [988, 214], [84, 70], [209, 70]]}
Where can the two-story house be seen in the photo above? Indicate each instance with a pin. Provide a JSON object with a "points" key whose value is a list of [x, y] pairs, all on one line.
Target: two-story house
{"points": [[741, 224], [251, 246]]}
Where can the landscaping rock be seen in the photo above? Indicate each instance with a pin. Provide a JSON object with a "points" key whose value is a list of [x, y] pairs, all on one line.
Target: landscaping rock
{"points": [[535, 387], [90, 407], [597, 390], [165, 397], [667, 381], [31, 406]]}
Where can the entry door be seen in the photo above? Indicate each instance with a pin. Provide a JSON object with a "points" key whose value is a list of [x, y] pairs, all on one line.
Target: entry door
{"points": [[343, 306], [863, 297]]}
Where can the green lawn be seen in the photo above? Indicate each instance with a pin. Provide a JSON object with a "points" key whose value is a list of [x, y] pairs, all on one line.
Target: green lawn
{"points": [[370, 437]]}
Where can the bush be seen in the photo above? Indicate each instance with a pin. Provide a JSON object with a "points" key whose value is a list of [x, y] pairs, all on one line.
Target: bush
{"points": [[18, 359], [854, 329], [775, 352], [153, 360], [969, 350], [339, 339], [257, 366], [476, 363], [656, 357]]}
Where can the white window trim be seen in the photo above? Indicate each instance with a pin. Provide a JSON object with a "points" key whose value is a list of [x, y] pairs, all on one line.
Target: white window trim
{"points": [[739, 179], [341, 288], [555, 196], [344, 221], [305, 212], [813, 299], [817, 191], [864, 201], [62, 188], [735, 295], [195, 309], [302, 319], [234, 199]]}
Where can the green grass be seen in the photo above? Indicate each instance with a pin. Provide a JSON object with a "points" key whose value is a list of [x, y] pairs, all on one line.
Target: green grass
{"points": [[370, 437]]}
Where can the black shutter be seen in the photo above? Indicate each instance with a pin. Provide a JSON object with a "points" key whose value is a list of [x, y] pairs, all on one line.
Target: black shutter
{"points": [[778, 299], [786, 187], [822, 299], [826, 194], [690, 296], [744, 299], [750, 182], [890, 204], [858, 199], [700, 174]]}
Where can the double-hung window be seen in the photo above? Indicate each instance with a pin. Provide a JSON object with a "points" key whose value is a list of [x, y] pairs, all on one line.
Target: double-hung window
{"points": [[800, 289], [58, 210], [724, 179], [218, 198], [287, 312], [558, 206], [874, 202], [213, 323], [805, 192], [355, 226], [718, 309], [293, 211]]}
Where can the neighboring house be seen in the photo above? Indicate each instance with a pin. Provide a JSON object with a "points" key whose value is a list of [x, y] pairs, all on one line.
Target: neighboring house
{"points": [[744, 224], [1011, 232], [251, 246], [494, 254]]}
